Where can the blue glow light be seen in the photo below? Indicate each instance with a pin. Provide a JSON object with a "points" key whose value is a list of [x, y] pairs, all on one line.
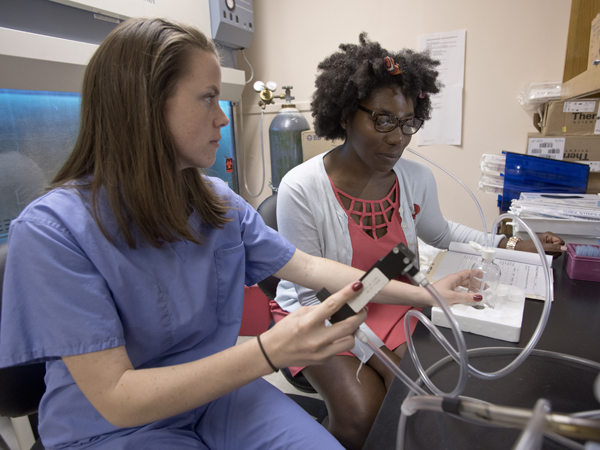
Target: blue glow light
{"points": [[38, 130]]}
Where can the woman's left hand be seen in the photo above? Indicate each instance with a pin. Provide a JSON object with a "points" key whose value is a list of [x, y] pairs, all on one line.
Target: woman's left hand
{"points": [[553, 245], [448, 285]]}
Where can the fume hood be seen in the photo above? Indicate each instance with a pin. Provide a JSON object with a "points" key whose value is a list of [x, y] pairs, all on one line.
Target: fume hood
{"points": [[38, 61]]}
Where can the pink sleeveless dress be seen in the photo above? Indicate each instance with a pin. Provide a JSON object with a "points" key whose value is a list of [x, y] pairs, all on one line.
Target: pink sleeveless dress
{"points": [[376, 230]]}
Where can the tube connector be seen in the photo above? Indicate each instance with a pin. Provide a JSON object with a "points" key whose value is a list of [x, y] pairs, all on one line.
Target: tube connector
{"points": [[487, 253], [420, 279], [361, 336]]}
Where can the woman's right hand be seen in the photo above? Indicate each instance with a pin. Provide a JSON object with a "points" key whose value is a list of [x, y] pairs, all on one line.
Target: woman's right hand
{"points": [[447, 285], [303, 339]]}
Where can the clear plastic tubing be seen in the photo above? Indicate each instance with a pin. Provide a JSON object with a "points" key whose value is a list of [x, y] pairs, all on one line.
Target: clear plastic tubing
{"points": [[460, 356], [533, 434], [503, 351], [537, 334], [489, 241], [422, 403], [389, 363], [457, 356], [414, 403], [538, 331]]}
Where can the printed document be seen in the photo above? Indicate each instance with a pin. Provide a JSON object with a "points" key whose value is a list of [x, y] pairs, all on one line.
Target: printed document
{"points": [[445, 125], [521, 269]]}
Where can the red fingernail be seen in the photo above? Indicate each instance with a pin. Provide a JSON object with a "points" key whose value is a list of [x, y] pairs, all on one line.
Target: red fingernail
{"points": [[358, 286], [478, 297]]}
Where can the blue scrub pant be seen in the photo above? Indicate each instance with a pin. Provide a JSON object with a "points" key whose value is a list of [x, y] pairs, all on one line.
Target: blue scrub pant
{"points": [[257, 416]]}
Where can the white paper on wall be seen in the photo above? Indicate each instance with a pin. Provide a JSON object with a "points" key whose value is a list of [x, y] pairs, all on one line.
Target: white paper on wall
{"points": [[445, 125]]}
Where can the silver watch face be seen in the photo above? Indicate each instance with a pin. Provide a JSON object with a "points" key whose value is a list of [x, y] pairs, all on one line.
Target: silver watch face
{"points": [[259, 86], [230, 4]]}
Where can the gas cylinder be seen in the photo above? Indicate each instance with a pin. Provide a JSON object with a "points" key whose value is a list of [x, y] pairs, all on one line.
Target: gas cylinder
{"points": [[285, 139]]}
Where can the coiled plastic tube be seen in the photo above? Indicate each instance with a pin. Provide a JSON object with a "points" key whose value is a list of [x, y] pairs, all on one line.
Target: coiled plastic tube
{"points": [[528, 348], [461, 355], [413, 402], [533, 434], [489, 242], [422, 403], [389, 363]]}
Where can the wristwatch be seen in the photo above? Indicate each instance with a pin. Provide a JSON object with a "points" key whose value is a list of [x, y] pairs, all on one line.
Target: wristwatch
{"points": [[512, 243]]}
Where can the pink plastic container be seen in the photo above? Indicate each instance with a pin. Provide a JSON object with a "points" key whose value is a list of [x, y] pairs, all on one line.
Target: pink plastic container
{"points": [[581, 267]]}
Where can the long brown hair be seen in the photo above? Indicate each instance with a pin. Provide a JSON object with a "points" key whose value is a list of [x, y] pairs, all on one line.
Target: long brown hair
{"points": [[124, 147]]}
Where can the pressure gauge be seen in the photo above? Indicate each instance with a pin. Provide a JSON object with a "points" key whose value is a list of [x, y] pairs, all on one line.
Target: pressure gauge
{"points": [[271, 85], [230, 4], [259, 86]]}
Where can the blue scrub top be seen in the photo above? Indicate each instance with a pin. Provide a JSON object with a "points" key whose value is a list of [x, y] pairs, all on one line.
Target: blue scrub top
{"points": [[68, 291]]}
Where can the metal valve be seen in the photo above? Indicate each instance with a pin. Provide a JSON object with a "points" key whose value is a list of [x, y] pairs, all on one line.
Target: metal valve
{"points": [[266, 92]]}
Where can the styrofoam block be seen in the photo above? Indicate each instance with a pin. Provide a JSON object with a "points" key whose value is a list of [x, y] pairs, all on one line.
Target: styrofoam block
{"points": [[503, 321]]}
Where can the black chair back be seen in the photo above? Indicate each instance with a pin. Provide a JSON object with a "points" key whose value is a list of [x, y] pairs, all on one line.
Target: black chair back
{"points": [[268, 211], [21, 387]]}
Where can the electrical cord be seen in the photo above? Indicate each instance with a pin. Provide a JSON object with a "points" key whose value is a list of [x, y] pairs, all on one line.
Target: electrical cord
{"points": [[249, 65]]}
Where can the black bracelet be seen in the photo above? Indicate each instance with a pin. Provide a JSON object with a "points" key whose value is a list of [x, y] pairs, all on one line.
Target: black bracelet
{"points": [[265, 354]]}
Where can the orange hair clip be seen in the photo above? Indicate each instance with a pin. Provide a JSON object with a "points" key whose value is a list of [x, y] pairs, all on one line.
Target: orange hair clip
{"points": [[391, 66]]}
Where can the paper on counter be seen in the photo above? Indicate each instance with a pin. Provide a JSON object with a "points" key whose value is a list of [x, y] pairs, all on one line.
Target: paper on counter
{"points": [[521, 269]]}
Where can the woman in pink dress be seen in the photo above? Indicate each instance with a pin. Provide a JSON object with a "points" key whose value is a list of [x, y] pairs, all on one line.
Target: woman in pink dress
{"points": [[357, 201]]}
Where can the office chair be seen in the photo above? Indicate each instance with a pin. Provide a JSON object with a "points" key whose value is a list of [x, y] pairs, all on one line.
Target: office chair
{"points": [[21, 389], [315, 407]]}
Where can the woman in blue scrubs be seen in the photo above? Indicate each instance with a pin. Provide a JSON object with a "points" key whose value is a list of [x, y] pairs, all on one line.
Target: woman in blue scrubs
{"points": [[127, 277]]}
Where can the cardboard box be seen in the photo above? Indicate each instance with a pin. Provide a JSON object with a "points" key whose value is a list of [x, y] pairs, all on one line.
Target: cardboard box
{"points": [[587, 82], [571, 117], [313, 145], [584, 84], [582, 149], [594, 45], [593, 183]]}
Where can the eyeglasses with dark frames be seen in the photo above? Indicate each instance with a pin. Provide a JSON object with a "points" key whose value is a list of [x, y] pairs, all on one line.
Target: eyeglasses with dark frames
{"points": [[384, 123]]}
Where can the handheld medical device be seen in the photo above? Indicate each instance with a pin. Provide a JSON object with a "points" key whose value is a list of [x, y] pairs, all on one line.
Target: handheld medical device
{"points": [[399, 261]]}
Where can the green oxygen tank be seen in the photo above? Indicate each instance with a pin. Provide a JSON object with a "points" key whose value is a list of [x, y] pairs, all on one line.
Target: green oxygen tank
{"points": [[285, 138]]}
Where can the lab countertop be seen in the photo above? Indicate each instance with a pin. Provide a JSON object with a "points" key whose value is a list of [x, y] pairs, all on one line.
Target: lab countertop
{"points": [[573, 328]]}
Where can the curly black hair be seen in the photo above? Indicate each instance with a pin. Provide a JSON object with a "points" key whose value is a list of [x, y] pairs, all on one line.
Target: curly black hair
{"points": [[349, 76]]}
